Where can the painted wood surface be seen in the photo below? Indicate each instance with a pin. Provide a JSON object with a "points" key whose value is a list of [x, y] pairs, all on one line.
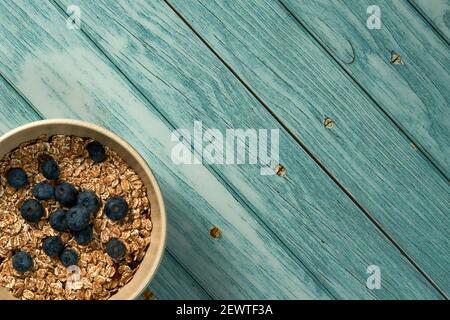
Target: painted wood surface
{"points": [[436, 12], [364, 151], [143, 21], [63, 75], [172, 282], [13, 109], [416, 94], [14, 112], [286, 234]]}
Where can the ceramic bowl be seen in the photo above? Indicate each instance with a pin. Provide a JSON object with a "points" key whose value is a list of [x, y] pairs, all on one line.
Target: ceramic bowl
{"points": [[152, 259]]}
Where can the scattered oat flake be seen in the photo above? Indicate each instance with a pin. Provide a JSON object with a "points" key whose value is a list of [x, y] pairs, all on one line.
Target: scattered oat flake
{"points": [[148, 295], [215, 232]]}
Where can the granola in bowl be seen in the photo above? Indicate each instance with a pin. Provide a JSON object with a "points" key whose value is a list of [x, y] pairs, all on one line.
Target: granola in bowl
{"points": [[101, 267]]}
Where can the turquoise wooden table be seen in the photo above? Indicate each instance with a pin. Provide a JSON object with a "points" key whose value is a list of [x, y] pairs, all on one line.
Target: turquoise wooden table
{"points": [[362, 114]]}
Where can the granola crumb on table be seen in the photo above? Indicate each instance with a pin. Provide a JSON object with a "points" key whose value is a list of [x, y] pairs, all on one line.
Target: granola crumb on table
{"points": [[100, 276]]}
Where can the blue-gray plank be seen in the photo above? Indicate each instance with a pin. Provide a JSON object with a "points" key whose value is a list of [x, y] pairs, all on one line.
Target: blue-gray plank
{"points": [[297, 79], [15, 111], [437, 13], [172, 282], [415, 92], [64, 74], [163, 70]]}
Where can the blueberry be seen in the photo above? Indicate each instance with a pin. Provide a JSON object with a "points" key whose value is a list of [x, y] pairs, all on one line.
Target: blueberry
{"points": [[78, 218], [115, 249], [116, 208], [17, 178], [22, 261], [43, 191], [58, 221], [32, 210], [53, 246], [66, 194], [50, 169], [84, 236], [96, 151], [69, 257], [89, 200]]}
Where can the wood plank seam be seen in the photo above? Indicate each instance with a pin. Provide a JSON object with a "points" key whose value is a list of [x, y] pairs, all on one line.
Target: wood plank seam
{"points": [[210, 168], [365, 211], [20, 94], [39, 115], [278, 240], [109, 67], [403, 130], [310, 154], [209, 294], [123, 66], [429, 22]]}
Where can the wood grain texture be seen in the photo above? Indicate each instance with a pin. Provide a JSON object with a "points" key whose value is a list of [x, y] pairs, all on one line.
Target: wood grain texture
{"points": [[172, 282], [184, 82], [13, 109], [64, 75], [436, 12], [14, 112], [299, 82], [415, 94]]}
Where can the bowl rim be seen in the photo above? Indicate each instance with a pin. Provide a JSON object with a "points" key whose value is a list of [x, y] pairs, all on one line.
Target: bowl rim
{"points": [[141, 162]]}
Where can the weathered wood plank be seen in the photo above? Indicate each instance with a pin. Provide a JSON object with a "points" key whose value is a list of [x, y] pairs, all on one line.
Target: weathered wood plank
{"points": [[416, 94], [64, 75], [85, 84], [437, 12], [172, 282], [15, 111], [185, 82], [293, 75]]}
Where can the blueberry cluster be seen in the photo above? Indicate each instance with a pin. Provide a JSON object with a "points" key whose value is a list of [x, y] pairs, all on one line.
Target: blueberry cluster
{"points": [[75, 215]]}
